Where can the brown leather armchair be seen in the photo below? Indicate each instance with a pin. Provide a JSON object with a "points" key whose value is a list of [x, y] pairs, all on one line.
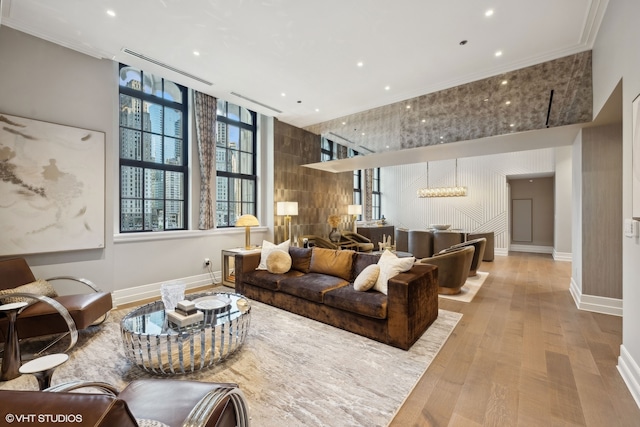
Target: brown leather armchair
{"points": [[55, 315], [453, 269], [171, 402]]}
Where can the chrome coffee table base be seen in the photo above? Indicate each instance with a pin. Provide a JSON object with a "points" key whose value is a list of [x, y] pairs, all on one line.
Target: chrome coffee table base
{"points": [[160, 347]]}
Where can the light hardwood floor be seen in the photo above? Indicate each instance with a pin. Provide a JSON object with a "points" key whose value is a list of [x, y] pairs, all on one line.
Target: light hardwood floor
{"points": [[524, 355]]}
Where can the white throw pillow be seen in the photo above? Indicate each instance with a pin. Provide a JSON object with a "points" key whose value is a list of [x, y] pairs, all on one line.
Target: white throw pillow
{"points": [[267, 248], [367, 278], [391, 265]]}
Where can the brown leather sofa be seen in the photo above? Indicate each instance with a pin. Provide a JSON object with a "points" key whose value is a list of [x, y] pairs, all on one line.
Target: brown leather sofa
{"points": [[46, 317], [398, 318], [172, 402], [453, 269]]}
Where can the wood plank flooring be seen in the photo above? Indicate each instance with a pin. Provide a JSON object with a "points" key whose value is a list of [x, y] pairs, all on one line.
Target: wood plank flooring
{"points": [[524, 355]]}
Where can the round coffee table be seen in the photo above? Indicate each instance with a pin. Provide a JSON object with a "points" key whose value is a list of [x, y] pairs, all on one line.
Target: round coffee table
{"points": [[156, 345]]}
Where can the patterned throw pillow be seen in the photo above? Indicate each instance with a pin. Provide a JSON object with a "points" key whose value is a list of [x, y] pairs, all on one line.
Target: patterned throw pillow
{"points": [[39, 287]]}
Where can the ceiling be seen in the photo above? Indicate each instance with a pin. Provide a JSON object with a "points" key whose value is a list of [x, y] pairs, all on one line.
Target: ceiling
{"points": [[297, 60]]}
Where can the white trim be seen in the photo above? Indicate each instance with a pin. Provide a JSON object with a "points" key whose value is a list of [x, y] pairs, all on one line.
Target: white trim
{"points": [[596, 304], [630, 373], [562, 256], [532, 249], [180, 234], [152, 290]]}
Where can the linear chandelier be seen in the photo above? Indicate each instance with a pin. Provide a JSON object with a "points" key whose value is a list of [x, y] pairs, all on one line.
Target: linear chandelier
{"points": [[456, 191]]}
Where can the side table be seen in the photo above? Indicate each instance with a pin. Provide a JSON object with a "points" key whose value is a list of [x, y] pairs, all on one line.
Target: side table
{"points": [[42, 368], [11, 358], [228, 264]]}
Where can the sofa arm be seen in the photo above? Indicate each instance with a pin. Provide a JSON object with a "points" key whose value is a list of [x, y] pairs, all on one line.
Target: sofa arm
{"points": [[245, 263], [412, 304]]}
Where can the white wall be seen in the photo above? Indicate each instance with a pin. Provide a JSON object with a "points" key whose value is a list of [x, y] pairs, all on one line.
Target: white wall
{"points": [[563, 206], [44, 81], [616, 56], [486, 207], [576, 215]]}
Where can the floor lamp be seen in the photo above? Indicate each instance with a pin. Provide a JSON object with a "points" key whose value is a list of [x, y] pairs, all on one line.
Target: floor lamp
{"points": [[287, 209], [354, 210]]}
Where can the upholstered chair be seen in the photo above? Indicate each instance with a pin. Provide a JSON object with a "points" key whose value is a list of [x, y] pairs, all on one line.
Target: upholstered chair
{"points": [[402, 239], [479, 245], [420, 243], [453, 269], [444, 239], [489, 250]]}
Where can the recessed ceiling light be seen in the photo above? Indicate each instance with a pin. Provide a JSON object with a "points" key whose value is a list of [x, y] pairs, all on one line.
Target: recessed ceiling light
{"points": [[387, 146], [283, 94], [111, 12], [362, 133], [408, 106], [360, 64], [504, 82], [387, 87], [508, 102], [317, 110], [196, 53], [488, 12], [344, 123], [424, 120], [499, 53], [512, 125]]}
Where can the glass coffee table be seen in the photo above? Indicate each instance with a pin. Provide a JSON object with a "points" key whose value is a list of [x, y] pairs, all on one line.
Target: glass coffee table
{"points": [[158, 346]]}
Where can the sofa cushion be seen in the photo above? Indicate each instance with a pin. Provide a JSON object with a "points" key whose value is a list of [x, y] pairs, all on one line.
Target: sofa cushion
{"points": [[300, 258], [264, 279], [332, 262], [278, 262], [370, 303], [311, 286], [267, 248], [367, 278], [390, 266]]}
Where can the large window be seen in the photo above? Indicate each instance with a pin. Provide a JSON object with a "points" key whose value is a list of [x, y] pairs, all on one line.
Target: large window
{"points": [[235, 163], [153, 152]]}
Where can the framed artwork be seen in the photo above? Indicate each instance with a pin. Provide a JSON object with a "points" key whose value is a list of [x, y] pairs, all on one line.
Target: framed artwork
{"points": [[635, 120], [51, 187]]}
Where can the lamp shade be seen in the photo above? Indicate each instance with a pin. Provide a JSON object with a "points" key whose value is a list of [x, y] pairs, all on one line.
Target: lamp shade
{"points": [[354, 209], [247, 220], [287, 208]]}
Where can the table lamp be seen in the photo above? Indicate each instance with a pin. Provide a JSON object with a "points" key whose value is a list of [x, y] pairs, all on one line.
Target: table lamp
{"points": [[354, 210], [288, 209], [247, 221]]}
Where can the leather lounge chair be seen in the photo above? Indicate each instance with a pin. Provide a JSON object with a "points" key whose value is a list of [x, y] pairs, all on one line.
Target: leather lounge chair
{"points": [[145, 402]]}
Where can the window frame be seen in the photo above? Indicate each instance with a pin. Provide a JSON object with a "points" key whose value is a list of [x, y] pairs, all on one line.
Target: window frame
{"points": [[243, 177], [146, 165]]}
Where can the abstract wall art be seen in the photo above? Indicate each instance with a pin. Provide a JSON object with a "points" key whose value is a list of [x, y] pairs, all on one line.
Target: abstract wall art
{"points": [[51, 187]]}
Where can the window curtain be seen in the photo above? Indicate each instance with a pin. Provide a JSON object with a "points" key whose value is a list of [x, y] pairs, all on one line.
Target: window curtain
{"points": [[205, 111]]}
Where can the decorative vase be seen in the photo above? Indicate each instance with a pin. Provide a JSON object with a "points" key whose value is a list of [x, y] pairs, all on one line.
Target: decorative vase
{"points": [[334, 235]]}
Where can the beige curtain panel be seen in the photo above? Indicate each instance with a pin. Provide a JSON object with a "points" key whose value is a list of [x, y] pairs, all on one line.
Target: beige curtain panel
{"points": [[205, 111]]}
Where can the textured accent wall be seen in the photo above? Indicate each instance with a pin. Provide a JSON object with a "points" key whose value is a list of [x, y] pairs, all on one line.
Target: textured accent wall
{"points": [[602, 211], [474, 110], [486, 207], [318, 193]]}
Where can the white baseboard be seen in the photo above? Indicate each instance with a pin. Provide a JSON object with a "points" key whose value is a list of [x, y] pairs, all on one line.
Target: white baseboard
{"points": [[604, 305], [532, 249], [562, 256], [501, 251], [630, 373], [152, 290]]}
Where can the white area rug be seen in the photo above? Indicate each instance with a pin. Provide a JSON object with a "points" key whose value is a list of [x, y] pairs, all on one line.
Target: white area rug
{"points": [[470, 288], [294, 371]]}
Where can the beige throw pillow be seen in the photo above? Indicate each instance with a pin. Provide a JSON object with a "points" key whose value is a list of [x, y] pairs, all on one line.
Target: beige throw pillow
{"points": [[391, 265], [267, 248], [367, 278], [39, 287], [278, 262]]}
